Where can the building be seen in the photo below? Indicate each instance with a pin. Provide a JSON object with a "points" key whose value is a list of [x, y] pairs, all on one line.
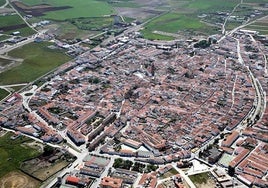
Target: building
{"points": [[109, 182]]}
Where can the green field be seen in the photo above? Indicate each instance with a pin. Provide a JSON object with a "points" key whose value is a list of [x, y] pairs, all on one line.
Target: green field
{"points": [[10, 20], [12, 153], [185, 19], [2, 2], [26, 31], [4, 37], [3, 94], [213, 5], [38, 60], [13, 20], [80, 8], [172, 23], [92, 23], [254, 1]]}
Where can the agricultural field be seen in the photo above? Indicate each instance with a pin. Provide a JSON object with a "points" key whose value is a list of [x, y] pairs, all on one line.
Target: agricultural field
{"points": [[11, 23], [3, 94], [38, 60], [97, 23], [260, 25], [76, 9], [10, 20], [13, 153], [174, 23], [203, 17], [212, 6]]}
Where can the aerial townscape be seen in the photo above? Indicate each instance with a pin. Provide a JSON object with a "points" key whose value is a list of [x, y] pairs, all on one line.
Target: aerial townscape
{"points": [[133, 93]]}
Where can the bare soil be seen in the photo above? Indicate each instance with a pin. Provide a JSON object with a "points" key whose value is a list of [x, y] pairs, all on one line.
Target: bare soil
{"points": [[18, 180]]}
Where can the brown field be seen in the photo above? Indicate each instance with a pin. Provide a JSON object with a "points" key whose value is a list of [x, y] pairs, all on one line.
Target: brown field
{"points": [[18, 180], [12, 27], [37, 10]]}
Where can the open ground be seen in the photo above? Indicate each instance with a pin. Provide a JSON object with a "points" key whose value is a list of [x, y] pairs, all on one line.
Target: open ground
{"points": [[38, 60], [17, 179], [12, 153]]}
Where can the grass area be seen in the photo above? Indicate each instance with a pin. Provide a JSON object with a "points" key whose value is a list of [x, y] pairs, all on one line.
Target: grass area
{"points": [[126, 4], [38, 60], [186, 19], [4, 37], [17, 88], [169, 173], [12, 154], [13, 21], [2, 2], [254, 1], [209, 5], [10, 20], [80, 8], [173, 23], [4, 62], [70, 31], [200, 178], [93, 23], [3, 94], [26, 31], [231, 25]]}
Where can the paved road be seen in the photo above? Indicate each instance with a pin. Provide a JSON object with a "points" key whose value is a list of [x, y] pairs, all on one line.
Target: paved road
{"points": [[8, 48]]}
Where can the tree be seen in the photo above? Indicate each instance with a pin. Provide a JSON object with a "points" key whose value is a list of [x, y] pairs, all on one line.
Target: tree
{"points": [[231, 171], [48, 150]]}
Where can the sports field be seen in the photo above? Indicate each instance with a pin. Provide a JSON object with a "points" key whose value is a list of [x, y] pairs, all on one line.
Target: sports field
{"points": [[38, 60], [80, 8]]}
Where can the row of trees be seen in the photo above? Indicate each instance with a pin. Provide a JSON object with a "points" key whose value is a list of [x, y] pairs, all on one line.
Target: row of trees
{"points": [[138, 167]]}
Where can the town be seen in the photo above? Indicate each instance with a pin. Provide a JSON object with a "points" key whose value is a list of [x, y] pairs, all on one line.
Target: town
{"points": [[143, 94], [158, 106]]}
